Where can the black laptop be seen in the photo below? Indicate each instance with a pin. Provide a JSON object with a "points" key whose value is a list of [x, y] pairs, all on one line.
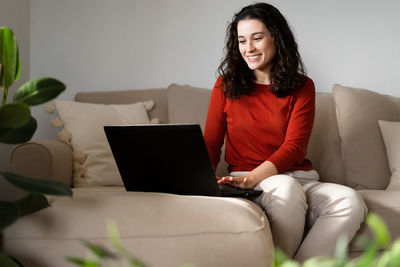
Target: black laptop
{"points": [[167, 158]]}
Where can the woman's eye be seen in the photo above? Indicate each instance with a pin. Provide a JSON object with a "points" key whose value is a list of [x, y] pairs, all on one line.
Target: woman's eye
{"points": [[257, 38], [242, 41]]}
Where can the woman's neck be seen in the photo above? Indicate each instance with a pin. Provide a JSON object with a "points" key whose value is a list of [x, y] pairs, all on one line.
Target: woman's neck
{"points": [[262, 77]]}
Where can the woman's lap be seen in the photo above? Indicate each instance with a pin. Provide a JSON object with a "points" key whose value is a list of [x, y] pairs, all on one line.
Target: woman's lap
{"points": [[296, 202]]}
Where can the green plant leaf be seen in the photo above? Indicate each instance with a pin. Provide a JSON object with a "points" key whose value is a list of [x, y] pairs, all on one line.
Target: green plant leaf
{"points": [[395, 254], [18, 135], [8, 57], [6, 261], [8, 213], [14, 115], [279, 258], [378, 227], [39, 91], [113, 235], [98, 250], [319, 262], [368, 257], [31, 203], [18, 71], [341, 251], [290, 263], [82, 262], [351, 263], [381, 238], [384, 260], [37, 186], [362, 241]]}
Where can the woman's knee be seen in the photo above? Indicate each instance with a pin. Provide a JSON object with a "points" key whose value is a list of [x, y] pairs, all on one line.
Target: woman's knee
{"points": [[346, 201], [283, 193], [356, 205]]}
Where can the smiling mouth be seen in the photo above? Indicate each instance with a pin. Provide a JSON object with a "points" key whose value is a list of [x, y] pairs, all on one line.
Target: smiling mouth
{"points": [[253, 58]]}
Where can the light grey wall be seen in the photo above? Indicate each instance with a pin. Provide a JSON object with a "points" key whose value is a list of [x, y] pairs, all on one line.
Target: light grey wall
{"points": [[128, 44], [15, 15], [121, 44]]}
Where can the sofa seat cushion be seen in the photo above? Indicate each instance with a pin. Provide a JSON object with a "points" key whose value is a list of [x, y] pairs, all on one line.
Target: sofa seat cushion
{"points": [[206, 231], [386, 205]]}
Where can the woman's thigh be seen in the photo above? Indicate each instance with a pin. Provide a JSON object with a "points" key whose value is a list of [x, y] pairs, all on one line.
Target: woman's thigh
{"points": [[285, 205]]}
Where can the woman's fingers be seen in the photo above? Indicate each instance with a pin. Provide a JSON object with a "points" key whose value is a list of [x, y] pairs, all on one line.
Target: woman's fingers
{"points": [[232, 180], [242, 182], [225, 180], [222, 180]]}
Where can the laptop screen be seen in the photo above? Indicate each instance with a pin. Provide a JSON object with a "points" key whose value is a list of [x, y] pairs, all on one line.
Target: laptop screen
{"points": [[169, 158]]}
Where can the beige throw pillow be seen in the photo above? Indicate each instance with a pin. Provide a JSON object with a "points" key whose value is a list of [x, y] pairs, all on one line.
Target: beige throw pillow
{"points": [[83, 126], [363, 150], [391, 137]]}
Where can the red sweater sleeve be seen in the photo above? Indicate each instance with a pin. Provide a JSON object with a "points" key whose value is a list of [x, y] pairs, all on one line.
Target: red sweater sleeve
{"points": [[216, 123], [294, 147]]}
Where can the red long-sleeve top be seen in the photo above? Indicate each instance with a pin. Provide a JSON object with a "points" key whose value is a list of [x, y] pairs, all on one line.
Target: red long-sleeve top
{"points": [[260, 127]]}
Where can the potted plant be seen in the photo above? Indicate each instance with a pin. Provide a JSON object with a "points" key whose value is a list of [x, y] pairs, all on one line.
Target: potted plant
{"points": [[18, 126]]}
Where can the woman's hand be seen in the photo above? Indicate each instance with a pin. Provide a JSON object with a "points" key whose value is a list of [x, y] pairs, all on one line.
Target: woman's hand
{"points": [[242, 181], [251, 179]]}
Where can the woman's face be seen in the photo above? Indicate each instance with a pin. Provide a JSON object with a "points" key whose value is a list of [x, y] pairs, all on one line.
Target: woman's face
{"points": [[256, 45]]}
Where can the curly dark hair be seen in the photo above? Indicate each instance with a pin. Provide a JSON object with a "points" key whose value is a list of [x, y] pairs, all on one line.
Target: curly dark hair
{"points": [[287, 72]]}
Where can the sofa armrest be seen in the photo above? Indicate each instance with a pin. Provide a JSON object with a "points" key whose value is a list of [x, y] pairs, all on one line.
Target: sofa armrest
{"points": [[48, 159]]}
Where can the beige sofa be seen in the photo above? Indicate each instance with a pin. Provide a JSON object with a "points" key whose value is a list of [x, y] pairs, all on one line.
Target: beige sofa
{"points": [[171, 230]]}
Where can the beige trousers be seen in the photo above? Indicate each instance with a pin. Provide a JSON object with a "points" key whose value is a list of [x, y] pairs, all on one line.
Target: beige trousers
{"points": [[307, 216]]}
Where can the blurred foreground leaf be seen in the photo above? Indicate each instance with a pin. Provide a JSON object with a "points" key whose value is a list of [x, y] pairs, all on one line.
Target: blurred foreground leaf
{"points": [[31, 203], [8, 214], [379, 229], [82, 262], [6, 261], [113, 235], [37, 186], [98, 250]]}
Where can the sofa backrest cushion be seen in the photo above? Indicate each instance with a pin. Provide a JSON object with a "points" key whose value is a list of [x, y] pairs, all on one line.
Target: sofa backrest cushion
{"points": [[324, 147], [158, 95], [358, 112], [391, 133], [187, 104]]}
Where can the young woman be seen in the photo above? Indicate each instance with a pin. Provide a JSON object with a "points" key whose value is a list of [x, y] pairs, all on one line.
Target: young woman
{"points": [[263, 105]]}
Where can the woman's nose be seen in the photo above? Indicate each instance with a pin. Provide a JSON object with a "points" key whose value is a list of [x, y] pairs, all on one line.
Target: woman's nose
{"points": [[250, 46]]}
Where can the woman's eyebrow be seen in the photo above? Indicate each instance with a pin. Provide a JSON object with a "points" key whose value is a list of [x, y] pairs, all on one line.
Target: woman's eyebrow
{"points": [[254, 33]]}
